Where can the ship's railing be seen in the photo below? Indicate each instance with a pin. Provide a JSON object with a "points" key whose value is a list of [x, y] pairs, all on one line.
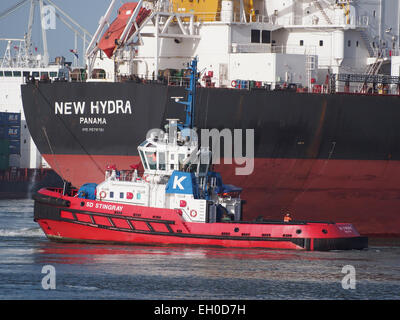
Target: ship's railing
{"points": [[235, 17], [371, 84], [355, 22], [140, 78], [179, 81], [292, 49], [386, 52], [251, 48], [271, 48], [221, 16]]}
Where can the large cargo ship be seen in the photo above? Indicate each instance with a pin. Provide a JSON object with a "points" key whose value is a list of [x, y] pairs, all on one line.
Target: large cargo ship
{"points": [[317, 81]]}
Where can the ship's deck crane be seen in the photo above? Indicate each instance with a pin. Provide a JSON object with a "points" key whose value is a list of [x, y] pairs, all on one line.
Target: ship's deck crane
{"points": [[75, 27]]}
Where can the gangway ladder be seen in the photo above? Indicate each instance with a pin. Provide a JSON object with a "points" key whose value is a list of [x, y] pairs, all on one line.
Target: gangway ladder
{"points": [[372, 70], [321, 9]]}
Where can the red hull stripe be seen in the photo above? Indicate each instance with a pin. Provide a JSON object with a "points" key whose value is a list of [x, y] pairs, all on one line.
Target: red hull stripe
{"points": [[147, 226], [189, 239]]}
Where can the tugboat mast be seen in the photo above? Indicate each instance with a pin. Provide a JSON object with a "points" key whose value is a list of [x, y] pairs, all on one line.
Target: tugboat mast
{"points": [[191, 97]]}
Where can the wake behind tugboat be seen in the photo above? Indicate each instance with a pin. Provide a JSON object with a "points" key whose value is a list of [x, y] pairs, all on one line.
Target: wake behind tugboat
{"points": [[178, 200]]}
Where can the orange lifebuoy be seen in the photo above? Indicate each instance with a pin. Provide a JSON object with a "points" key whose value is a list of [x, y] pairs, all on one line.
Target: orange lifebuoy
{"points": [[103, 194], [193, 213], [233, 83]]}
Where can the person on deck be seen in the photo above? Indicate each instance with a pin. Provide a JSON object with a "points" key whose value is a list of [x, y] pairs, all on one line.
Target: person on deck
{"points": [[287, 218]]}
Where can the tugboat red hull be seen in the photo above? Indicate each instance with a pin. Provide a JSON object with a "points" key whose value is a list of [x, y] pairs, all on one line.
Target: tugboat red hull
{"points": [[66, 218]]}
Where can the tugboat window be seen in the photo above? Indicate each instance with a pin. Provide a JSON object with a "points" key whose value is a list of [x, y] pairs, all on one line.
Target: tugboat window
{"points": [[121, 195], [111, 194], [143, 159], [152, 160], [161, 161]]}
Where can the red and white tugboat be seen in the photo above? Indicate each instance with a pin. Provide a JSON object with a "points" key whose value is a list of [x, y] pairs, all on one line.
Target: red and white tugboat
{"points": [[177, 201]]}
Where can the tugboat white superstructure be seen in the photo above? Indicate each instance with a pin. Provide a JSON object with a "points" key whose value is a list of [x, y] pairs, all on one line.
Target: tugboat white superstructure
{"points": [[176, 175], [178, 200]]}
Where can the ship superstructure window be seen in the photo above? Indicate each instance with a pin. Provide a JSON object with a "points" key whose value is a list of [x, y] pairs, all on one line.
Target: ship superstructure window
{"points": [[121, 195], [266, 36], [26, 73], [53, 74], [349, 43], [255, 36], [321, 43], [35, 74], [1, 73], [16, 73], [301, 43], [111, 194], [7, 73], [161, 161]]}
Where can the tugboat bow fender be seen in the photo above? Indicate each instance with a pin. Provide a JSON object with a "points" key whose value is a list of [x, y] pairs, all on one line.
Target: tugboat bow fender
{"points": [[51, 200]]}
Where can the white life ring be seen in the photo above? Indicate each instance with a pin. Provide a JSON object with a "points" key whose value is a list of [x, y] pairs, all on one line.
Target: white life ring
{"points": [[193, 213], [146, 178], [103, 194]]}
